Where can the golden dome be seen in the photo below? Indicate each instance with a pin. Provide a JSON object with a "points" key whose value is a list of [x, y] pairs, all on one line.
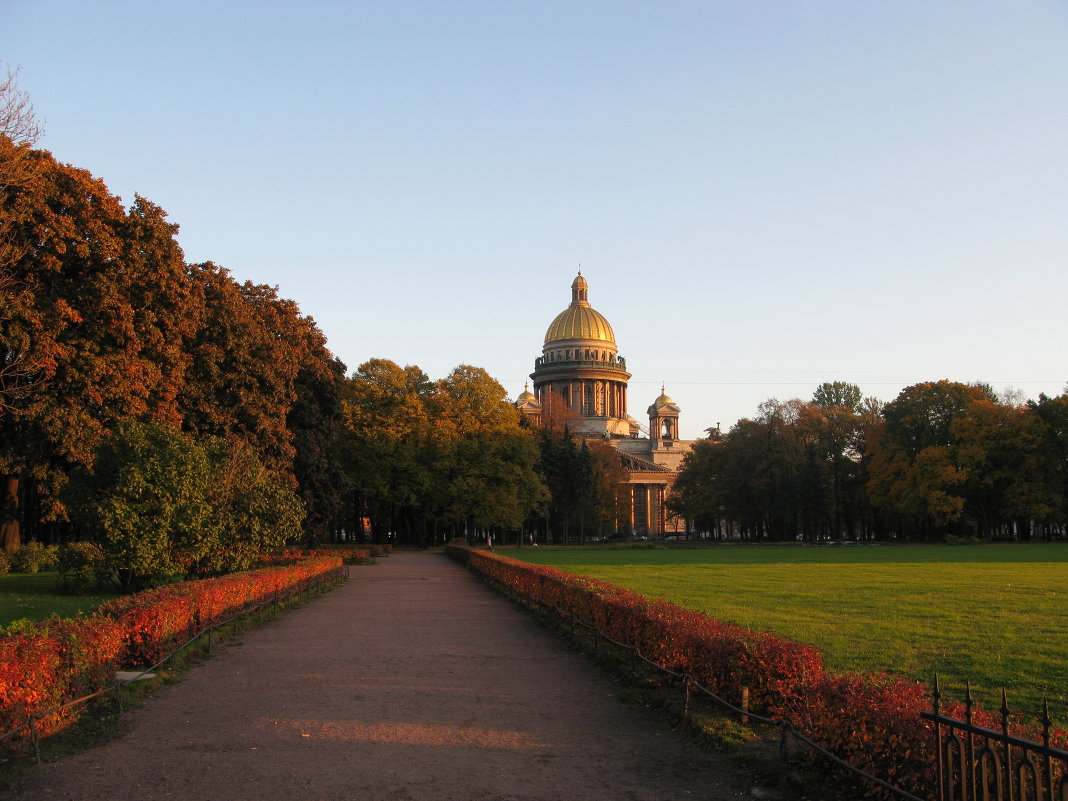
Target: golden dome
{"points": [[663, 402], [526, 396], [580, 320]]}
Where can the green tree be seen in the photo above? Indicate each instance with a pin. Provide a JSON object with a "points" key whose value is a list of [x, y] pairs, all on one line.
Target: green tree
{"points": [[487, 454], [252, 512], [389, 444], [699, 491], [1051, 459], [315, 421], [161, 504], [833, 426], [146, 497]]}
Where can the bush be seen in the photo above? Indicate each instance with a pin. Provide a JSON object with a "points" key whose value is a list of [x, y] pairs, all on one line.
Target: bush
{"points": [[47, 664], [33, 557], [81, 567], [5, 562]]}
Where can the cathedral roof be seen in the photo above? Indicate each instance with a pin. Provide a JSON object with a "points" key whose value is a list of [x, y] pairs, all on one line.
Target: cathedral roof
{"points": [[580, 320]]}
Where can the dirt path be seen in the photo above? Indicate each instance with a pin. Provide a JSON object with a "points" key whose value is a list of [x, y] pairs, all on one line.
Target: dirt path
{"points": [[413, 681]]}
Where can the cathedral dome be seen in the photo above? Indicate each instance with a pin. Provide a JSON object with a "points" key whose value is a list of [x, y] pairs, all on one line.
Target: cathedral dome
{"points": [[526, 396], [580, 320], [663, 403]]}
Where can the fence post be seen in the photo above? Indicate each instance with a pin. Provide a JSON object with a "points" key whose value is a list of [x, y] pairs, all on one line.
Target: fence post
{"points": [[745, 705], [940, 765], [36, 739], [118, 694]]}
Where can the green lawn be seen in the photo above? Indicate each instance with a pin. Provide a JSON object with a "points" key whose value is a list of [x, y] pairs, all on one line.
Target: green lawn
{"points": [[996, 615], [34, 596]]}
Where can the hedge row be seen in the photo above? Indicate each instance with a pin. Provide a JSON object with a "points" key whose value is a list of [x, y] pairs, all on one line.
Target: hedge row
{"points": [[357, 555], [57, 661], [871, 721]]}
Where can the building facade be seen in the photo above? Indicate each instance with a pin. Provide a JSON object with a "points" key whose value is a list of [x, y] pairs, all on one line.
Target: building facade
{"points": [[581, 379]]}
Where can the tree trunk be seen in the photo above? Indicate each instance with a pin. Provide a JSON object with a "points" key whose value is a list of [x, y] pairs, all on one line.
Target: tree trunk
{"points": [[10, 534]]}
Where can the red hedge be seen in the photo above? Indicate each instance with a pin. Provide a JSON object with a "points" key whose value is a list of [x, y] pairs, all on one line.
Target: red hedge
{"points": [[54, 662], [60, 660], [871, 721]]}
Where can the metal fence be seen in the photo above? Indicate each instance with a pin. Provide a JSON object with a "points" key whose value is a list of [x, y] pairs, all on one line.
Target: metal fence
{"points": [[980, 764]]}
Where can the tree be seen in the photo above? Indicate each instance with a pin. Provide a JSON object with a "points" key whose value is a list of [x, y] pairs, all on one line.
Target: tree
{"points": [[487, 452], [18, 122], [19, 131], [389, 448], [163, 504], [146, 497], [1052, 455], [915, 472], [698, 492], [90, 326], [245, 355], [252, 511], [315, 420], [838, 394], [833, 426], [611, 492]]}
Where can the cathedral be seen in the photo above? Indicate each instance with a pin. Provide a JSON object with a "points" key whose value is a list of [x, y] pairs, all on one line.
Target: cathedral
{"points": [[581, 379]]}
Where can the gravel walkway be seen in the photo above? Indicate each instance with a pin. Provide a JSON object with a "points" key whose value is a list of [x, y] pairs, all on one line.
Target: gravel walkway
{"points": [[412, 681]]}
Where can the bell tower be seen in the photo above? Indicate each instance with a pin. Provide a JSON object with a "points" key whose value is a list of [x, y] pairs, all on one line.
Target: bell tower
{"points": [[663, 422]]}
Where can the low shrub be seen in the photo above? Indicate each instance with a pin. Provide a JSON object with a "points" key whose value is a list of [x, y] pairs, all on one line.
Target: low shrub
{"points": [[33, 557], [51, 663], [81, 568], [5, 562]]}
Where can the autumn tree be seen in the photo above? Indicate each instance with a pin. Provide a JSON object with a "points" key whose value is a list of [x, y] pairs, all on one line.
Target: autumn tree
{"points": [[19, 130], [100, 314], [245, 354], [915, 473]]}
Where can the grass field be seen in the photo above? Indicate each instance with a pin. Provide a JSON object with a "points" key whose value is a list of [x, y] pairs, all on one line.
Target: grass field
{"points": [[996, 615], [34, 596]]}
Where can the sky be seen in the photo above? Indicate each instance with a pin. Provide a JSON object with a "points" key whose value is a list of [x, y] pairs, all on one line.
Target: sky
{"points": [[762, 195]]}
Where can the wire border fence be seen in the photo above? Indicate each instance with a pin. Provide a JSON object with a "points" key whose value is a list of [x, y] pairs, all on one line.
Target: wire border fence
{"points": [[316, 583], [786, 728]]}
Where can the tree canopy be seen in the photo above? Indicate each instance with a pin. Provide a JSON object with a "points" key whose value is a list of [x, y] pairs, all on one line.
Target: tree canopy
{"points": [[103, 323], [942, 458]]}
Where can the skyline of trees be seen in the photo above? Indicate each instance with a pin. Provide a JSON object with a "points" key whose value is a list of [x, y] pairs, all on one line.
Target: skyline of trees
{"points": [[941, 459]]}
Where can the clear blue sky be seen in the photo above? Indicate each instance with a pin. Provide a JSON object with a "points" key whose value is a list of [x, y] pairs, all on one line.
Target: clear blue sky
{"points": [[762, 195]]}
